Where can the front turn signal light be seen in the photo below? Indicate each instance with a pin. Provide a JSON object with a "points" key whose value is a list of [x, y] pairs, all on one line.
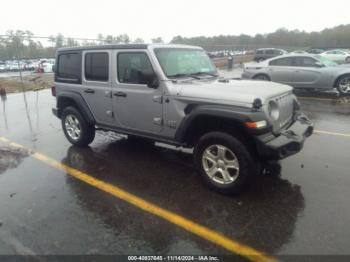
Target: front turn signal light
{"points": [[256, 125]]}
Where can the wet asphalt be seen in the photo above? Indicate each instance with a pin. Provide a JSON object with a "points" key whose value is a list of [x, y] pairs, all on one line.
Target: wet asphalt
{"points": [[301, 206]]}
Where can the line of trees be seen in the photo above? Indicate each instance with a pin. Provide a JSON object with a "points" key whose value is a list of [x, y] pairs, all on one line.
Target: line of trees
{"points": [[336, 37], [25, 45]]}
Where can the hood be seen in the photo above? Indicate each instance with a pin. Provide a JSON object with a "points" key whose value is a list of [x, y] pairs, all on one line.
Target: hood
{"points": [[237, 91]]}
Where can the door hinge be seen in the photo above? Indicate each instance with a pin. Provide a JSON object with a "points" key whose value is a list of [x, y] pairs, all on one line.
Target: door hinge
{"points": [[158, 121], [110, 113], [108, 94], [158, 99]]}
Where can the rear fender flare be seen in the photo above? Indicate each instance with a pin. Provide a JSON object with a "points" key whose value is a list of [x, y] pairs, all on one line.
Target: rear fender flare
{"points": [[78, 101]]}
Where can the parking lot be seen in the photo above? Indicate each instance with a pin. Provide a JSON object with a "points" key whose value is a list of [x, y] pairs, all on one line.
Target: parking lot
{"points": [[122, 197]]}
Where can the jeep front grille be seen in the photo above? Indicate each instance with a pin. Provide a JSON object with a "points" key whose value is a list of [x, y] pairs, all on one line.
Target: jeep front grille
{"points": [[286, 108]]}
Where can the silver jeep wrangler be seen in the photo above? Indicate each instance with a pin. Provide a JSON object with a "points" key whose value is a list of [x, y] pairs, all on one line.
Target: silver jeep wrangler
{"points": [[173, 94]]}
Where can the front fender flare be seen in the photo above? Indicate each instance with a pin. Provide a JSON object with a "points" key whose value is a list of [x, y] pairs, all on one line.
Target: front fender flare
{"points": [[237, 115]]}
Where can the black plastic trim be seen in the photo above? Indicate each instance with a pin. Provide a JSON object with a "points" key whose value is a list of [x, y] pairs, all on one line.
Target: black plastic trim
{"points": [[289, 142], [99, 47], [79, 101], [238, 115]]}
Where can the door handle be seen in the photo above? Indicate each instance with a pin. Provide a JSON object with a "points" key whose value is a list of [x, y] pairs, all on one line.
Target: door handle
{"points": [[122, 94], [89, 91]]}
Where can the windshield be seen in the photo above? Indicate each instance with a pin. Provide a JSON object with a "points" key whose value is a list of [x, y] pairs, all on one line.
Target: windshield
{"points": [[183, 62], [326, 61]]}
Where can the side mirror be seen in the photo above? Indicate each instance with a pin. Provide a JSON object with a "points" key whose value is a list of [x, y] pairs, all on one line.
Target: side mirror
{"points": [[153, 82], [54, 68]]}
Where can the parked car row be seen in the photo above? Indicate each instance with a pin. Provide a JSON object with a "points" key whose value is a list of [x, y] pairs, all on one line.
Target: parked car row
{"points": [[339, 56], [226, 53], [306, 71], [38, 65]]}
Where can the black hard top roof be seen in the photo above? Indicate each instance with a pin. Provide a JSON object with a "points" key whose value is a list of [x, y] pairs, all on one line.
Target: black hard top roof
{"points": [[99, 47]]}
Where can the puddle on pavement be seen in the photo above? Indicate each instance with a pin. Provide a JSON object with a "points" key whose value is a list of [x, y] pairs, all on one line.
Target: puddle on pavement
{"points": [[11, 158]]}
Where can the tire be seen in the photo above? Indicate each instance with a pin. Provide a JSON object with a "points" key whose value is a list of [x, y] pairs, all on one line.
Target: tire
{"points": [[347, 60], [72, 122], [212, 172], [343, 84], [262, 77]]}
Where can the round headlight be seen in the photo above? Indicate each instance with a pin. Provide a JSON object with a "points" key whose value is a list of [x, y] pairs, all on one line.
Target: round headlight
{"points": [[273, 110]]}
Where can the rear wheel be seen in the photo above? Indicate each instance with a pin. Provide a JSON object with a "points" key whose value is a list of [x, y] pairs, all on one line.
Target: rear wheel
{"points": [[224, 163], [76, 129], [261, 77], [343, 85]]}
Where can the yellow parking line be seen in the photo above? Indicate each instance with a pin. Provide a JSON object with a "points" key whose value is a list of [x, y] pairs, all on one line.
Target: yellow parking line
{"points": [[331, 133], [190, 226]]}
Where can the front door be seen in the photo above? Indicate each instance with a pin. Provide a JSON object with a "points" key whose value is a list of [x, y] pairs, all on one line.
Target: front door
{"points": [[307, 72], [136, 106], [96, 85]]}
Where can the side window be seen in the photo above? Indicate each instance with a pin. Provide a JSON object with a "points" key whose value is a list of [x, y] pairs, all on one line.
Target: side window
{"points": [[305, 62], [269, 52], [96, 66], [282, 62], [134, 68], [278, 52], [259, 52], [69, 68]]}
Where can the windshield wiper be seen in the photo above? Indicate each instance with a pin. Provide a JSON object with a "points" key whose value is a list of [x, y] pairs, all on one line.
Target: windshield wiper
{"points": [[184, 75], [205, 73]]}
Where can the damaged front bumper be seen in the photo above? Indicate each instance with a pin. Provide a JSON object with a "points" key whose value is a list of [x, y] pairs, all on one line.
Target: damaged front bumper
{"points": [[289, 142]]}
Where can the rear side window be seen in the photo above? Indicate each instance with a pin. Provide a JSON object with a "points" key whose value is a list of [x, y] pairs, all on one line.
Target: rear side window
{"points": [[134, 68], [69, 68], [96, 66], [282, 62], [259, 52], [305, 61]]}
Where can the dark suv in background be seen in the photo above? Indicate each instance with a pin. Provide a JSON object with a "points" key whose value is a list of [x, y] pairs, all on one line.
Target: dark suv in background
{"points": [[262, 54]]}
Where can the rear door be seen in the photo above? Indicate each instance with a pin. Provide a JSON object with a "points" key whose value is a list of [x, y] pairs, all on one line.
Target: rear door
{"points": [[307, 72], [96, 89], [281, 70], [137, 107]]}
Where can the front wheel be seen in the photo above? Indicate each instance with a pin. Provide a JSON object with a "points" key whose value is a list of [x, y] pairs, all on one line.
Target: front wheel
{"points": [[224, 163], [343, 85], [76, 129]]}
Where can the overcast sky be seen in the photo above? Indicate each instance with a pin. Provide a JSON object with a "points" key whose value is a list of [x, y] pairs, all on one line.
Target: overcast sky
{"points": [[167, 18]]}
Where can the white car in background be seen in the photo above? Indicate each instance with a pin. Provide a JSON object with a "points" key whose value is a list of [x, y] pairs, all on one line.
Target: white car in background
{"points": [[14, 67], [2, 67], [47, 67], [338, 55]]}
